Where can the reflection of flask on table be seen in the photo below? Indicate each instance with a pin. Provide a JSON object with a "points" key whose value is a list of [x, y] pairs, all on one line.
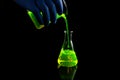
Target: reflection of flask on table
{"points": [[67, 73], [67, 56]]}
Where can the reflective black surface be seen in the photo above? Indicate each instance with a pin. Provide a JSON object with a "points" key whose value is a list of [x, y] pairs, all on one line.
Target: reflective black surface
{"points": [[67, 73]]}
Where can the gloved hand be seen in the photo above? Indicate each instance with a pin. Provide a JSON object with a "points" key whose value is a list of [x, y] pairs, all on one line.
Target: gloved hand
{"points": [[49, 9]]}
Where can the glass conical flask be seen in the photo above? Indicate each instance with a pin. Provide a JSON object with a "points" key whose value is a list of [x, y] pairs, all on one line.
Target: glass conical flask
{"points": [[67, 56]]}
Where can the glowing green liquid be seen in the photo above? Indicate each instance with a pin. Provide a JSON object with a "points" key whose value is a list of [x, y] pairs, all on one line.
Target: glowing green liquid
{"points": [[40, 26], [67, 58], [67, 29], [66, 25]]}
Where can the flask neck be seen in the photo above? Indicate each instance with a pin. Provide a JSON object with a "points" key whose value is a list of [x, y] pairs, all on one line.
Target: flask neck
{"points": [[67, 44]]}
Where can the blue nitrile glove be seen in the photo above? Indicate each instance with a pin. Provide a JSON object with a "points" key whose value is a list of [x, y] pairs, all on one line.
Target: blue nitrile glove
{"points": [[49, 9]]}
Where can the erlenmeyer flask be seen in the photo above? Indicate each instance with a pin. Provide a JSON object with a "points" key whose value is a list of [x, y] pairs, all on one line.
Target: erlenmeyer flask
{"points": [[67, 56]]}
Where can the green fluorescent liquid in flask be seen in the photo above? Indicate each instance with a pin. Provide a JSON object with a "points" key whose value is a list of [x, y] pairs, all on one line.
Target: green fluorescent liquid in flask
{"points": [[67, 56]]}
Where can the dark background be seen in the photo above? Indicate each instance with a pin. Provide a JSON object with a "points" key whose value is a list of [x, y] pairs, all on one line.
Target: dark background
{"points": [[32, 54]]}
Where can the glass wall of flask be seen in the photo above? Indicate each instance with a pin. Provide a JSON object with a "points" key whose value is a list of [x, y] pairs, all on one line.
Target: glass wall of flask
{"points": [[67, 56]]}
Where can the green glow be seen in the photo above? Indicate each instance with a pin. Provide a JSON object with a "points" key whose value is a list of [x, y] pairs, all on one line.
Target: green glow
{"points": [[66, 24], [34, 20], [67, 58], [37, 24]]}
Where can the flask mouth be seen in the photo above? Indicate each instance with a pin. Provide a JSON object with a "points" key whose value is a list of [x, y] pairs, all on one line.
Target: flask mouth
{"points": [[66, 31], [71, 31]]}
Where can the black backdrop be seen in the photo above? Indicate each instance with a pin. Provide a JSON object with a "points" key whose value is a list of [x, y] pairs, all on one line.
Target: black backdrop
{"points": [[31, 53]]}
